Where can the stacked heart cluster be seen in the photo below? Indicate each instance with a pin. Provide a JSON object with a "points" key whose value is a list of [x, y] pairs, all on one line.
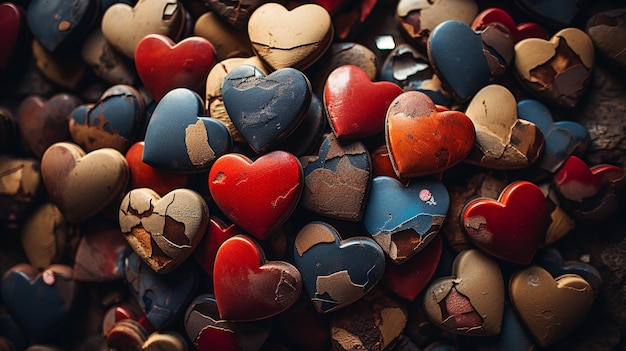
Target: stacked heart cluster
{"points": [[251, 175]]}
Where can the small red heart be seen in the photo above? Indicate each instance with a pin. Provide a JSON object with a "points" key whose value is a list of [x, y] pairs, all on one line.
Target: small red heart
{"points": [[355, 105], [12, 24], [519, 32], [248, 287], [143, 175], [511, 228], [576, 181], [163, 65], [217, 233], [258, 196]]}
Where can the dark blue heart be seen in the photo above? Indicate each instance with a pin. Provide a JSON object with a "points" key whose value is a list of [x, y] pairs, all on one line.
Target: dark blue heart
{"points": [[552, 261], [560, 12], [178, 139], [265, 110], [306, 137]]}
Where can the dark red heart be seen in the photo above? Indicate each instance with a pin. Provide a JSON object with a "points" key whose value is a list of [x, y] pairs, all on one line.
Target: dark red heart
{"points": [[142, 175], [12, 25], [217, 233], [576, 181], [519, 32]]}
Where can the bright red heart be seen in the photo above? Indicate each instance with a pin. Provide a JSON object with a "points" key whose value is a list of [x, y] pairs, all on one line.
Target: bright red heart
{"points": [[355, 105], [511, 228], [247, 287], [217, 233], [143, 175], [577, 181], [519, 32], [12, 22], [163, 66], [258, 196]]}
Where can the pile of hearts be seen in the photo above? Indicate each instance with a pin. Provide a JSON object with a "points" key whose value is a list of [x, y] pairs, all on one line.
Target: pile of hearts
{"points": [[195, 174]]}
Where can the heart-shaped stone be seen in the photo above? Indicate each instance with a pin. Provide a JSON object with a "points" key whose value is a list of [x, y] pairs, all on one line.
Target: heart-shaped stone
{"points": [[234, 177], [336, 272], [336, 181], [20, 189], [178, 139], [217, 233], [81, 184], [272, 27], [142, 175], [114, 121], [13, 28], [403, 220], [561, 138], [503, 141], [549, 307], [229, 42], [607, 30], [167, 340], [247, 287], [163, 231], [45, 236], [511, 228], [471, 301], [519, 32], [163, 65], [265, 109], [100, 253], [106, 62], [423, 141], [485, 54], [355, 106], [557, 71], [124, 26], [558, 12], [236, 14]]}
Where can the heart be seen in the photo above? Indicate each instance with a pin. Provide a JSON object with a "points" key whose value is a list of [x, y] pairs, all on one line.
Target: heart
{"points": [[484, 55], [561, 138], [114, 121], [45, 236], [410, 278], [265, 109], [503, 141], [66, 69], [167, 340], [229, 42], [177, 139], [163, 65], [39, 301], [106, 62], [355, 106], [269, 203], [217, 233], [127, 334], [558, 71], [208, 331], [306, 137], [511, 228], [271, 28], [607, 31], [21, 189], [471, 301], [336, 181], [519, 32], [81, 184], [12, 26], [247, 287], [45, 122], [163, 231], [558, 12], [124, 26], [403, 220], [549, 307], [122, 311], [381, 164], [423, 141], [100, 253], [142, 175], [336, 272], [236, 14]]}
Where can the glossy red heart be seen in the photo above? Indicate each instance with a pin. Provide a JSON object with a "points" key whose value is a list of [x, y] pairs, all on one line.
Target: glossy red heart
{"points": [[576, 181], [355, 105], [142, 175], [163, 65], [216, 234], [423, 141], [511, 228], [12, 23], [257, 196], [248, 287], [519, 32]]}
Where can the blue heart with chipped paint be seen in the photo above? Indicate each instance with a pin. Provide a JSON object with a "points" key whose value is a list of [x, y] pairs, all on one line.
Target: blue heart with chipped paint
{"points": [[265, 109], [178, 139], [403, 220], [561, 138], [336, 272]]}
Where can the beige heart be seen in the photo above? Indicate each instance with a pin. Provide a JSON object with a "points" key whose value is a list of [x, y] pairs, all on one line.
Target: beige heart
{"points": [[550, 308], [124, 26], [296, 38], [165, 341], [471, 301], [503, 141], [432, 13], [81, 185]]}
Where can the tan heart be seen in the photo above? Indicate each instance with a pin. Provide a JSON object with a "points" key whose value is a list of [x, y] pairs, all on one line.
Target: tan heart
{"points": [[124, 26], [471, 301], [163, 231], [296, 38], [81, 185], [503, 141], [550, 307], [165, 341]]}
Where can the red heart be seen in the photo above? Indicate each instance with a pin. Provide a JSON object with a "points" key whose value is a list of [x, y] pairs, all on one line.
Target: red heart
{"points": [[511, 228], [332, 5], [355, 106], [143, 175], [12, 21], [163, 66], [216, 234], [258, 196], [247, 287], [576, 181], [519, 32], [423, 141]]}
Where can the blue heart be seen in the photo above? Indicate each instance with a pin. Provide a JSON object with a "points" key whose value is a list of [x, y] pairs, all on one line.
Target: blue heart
{"points": [[552, 261], [178, 140], [560, 138], [403, 220]]}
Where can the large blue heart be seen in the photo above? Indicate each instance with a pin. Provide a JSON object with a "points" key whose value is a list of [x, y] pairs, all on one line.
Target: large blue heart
{"points": [[403, 220], [178, 139], [265, 110], [561, 139], [336, 272]]}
